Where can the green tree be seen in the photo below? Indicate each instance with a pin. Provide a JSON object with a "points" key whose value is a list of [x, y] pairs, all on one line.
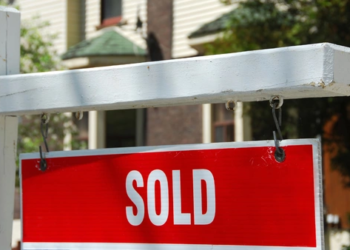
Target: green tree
{"points": [[38, 55], [262, 24]]}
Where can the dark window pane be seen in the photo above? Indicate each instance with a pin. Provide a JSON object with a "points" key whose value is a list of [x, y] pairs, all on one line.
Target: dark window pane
{"points": [[219, 134], [111, 8], [121, 128], [229, 133]]}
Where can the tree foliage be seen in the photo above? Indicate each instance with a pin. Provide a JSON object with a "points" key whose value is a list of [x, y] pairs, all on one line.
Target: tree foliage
{"points": [[262, 24], [38, 55]]}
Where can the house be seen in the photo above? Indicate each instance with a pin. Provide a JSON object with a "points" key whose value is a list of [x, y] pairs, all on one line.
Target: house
{"points": [[95, 33]]}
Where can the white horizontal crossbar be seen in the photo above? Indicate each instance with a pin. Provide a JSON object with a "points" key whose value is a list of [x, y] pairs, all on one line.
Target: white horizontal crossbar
{"points": [[318, 70]]}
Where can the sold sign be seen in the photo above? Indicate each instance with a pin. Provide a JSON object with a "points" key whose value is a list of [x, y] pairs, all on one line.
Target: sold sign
{"points": [[180, 218], [207, 196]]}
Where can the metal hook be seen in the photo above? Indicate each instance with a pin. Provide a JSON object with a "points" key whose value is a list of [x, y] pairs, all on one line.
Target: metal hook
{"points": [[79, 115], [275, 99], [44, 121], [278, 122], [279, 153], [43, 164], [229, 107], [45, 118]]}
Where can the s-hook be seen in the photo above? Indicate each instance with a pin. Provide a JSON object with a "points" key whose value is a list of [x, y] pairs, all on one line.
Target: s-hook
{"points": [[44, 122], [79, 115], [276, 102]]}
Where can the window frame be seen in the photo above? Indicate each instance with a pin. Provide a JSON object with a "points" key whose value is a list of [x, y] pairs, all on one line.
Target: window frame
{"points": [[111, 21], [221, 123]]}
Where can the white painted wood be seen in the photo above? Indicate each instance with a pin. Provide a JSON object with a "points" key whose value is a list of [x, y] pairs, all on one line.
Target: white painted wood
{"points": [[292, 72], [242, 126], [92, 143], [97, 129], [133, 246], [206, 123], [92, 17], [9, 64], [3, 42], [129, 18], [238, 127], [8, 146]]}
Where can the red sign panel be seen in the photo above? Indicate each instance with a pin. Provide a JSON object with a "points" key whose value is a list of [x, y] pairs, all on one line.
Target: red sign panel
{"points": [[209, 195]]}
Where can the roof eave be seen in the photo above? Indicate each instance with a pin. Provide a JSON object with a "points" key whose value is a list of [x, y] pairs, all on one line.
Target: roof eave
{"points": [[99, 61]]}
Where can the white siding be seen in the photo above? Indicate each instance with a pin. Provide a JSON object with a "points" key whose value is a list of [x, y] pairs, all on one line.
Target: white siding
{"points": [[53, 11], [189, 15], [92, 17], [130, 9], [56, 11]]}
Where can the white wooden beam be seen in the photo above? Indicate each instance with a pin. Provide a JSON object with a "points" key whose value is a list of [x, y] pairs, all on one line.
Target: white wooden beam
{"points": [[318, 70], [9, 64]]}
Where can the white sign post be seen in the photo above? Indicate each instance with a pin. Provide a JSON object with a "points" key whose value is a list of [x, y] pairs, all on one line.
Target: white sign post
{"points": [[9, 64]]}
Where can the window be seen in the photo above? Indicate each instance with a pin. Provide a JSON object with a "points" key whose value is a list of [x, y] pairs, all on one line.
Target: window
{"points": [[121, 128], [223, 124], [111, 12]]}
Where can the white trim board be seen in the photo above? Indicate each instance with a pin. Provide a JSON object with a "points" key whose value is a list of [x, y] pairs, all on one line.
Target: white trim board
{"points": [[318, 70], [126, 246], [167, 148], [9, 64]]}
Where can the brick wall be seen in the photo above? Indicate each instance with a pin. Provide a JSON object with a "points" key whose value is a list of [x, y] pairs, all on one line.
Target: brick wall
{"points": [[174, 125], [170, 125], [160, 25]]}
